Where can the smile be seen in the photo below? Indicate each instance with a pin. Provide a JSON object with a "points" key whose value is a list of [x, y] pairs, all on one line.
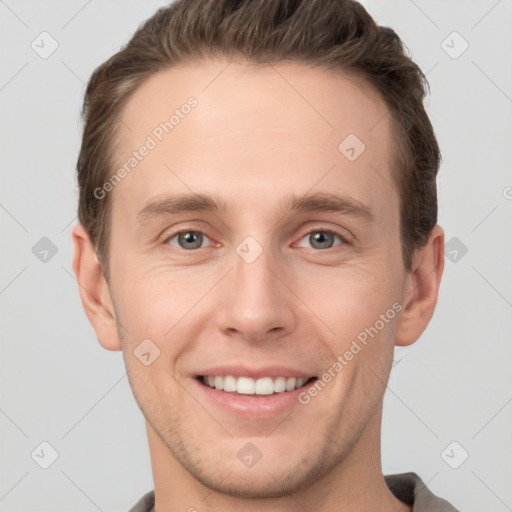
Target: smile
{"points": [[249, 386]]}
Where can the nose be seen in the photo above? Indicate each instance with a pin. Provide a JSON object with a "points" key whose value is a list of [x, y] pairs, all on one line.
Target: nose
{"points": [[255, 300]]}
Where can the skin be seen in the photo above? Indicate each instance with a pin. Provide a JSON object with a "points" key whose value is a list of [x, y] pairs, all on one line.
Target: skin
{"points": [[251, 141]]}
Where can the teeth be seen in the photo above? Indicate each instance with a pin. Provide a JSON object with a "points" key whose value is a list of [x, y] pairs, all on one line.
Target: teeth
{"points": [[279, 385], [300, 382], [264, 386], [229, 383], [249, 386], [245, 385], [219, 383], [290, 383]]}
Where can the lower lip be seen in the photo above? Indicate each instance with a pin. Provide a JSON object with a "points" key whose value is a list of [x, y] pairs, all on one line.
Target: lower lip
{"points": [[259, 406]]}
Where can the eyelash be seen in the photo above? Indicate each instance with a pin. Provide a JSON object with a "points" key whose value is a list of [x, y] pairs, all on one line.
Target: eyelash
{"points": [[344, 240]]}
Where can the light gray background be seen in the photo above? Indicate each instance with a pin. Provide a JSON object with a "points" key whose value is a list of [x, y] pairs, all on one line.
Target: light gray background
{"points": [[58, 385]]}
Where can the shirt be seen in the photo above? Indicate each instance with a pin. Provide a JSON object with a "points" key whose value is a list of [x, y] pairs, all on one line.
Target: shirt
{"points": [[407, 487]]}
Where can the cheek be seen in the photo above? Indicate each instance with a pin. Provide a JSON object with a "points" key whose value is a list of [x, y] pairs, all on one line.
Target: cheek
{"points": [[153, 306], [166, 306], [153, 311], [349, 299], [360, 308]]}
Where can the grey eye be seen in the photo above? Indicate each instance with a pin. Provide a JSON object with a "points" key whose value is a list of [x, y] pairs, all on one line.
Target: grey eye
{"points": [[322, 239], [188, 240]]}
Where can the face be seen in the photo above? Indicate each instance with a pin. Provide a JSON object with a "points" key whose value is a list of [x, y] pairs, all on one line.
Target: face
{"points": [[240, 280]]}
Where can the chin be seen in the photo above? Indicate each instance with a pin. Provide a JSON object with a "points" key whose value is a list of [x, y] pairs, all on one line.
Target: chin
{"points": [[254, 483]]}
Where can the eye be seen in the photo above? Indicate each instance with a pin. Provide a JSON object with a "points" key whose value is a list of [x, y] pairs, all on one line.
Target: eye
{"points": [[187, 240], [323, 239]]}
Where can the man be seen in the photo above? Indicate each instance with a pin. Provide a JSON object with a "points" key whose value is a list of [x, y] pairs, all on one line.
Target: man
{"points": [[257, 232]]}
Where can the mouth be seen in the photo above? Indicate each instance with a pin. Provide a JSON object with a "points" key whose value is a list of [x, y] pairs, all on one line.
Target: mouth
{"points": [[246, 392], [254, 387]]}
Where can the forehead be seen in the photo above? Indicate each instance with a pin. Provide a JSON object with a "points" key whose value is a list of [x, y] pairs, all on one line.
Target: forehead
{"points": [[226, 128]]}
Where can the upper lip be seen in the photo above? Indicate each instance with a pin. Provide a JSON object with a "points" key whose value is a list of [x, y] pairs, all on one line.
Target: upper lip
{"points": [[255, 373]]}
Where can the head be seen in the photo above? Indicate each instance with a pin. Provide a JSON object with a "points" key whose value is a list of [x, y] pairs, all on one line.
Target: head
{"points": [[258, 192]]}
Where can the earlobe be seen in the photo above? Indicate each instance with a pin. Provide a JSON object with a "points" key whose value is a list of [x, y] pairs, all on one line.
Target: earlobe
{"points": [[94, 290], [422, 288]]}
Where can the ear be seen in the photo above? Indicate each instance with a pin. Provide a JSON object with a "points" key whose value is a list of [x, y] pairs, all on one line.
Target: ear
{"points": [[421, 289], [94, 290]]}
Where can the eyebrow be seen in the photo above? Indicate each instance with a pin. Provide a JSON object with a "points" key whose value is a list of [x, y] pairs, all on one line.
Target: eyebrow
{"points": [[182, 203], [320, 201], [326, 202]]}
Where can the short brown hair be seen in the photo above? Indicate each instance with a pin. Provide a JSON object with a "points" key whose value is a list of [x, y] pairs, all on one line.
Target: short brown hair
{"points": [[336, 35]]}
